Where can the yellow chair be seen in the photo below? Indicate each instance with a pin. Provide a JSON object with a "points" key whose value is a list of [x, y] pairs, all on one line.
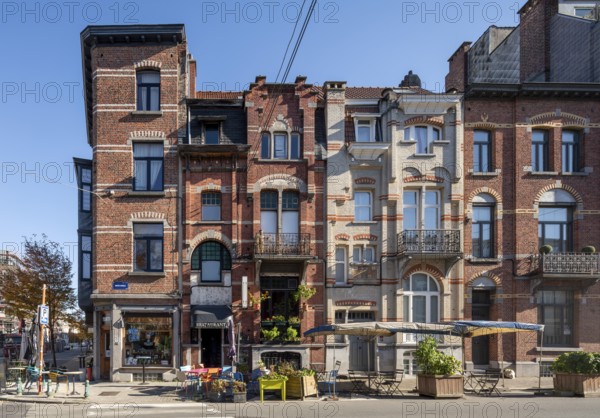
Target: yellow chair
{"points": [[58, 377]]}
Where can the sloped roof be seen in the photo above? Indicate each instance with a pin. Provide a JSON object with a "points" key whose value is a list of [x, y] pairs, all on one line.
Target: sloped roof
{"points": [[364, 92]]}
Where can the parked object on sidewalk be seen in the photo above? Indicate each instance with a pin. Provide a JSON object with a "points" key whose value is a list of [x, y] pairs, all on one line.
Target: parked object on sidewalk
{"points": [[509, 373]]}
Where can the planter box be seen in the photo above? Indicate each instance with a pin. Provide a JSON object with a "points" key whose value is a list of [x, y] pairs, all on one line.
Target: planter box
{"points": [[579, 384], [301, 387], [239, 397], [440, 386], [275, 384]]}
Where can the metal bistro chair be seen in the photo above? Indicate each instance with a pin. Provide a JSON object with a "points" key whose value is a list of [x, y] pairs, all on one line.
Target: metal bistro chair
{"points": [[389, 382], [331, 379]]}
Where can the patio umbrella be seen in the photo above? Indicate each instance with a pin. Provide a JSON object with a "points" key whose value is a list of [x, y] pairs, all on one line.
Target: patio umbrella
{"points": [[231, 335], [480, 328]]}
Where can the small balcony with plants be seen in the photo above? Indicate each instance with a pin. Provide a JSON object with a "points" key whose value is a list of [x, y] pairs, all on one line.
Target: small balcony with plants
{"points": [[565, 265]]}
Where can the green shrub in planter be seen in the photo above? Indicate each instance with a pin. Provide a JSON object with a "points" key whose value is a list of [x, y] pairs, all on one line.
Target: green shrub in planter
{"points": [[434, 362], [546, 249], [589, 249], [577, 362]]}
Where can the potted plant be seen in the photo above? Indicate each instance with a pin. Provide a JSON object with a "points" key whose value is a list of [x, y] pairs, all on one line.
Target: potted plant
{"points": [[270, 334], [546, 249], [578, 373], [304, 293], [216, 390], [239, 391], [279, 320], [267, 323], [301, 383], [438, 371], [588, 249], [291, 335], [255, 302]]}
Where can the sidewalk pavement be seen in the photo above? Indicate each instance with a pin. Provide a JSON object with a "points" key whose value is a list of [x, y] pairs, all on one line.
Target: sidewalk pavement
{"points": [[164, 393]]}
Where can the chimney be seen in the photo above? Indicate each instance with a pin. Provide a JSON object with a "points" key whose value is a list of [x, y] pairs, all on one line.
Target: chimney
{"points": [[456, 79], [411, 80], [192, 61], [536, 16]]}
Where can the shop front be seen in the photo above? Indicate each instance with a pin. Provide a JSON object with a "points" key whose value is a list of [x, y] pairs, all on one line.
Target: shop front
{"points": [[136, 340], [210, 331]]}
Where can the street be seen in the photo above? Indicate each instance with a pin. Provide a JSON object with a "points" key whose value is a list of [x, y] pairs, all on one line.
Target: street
{"points": [[514, 407]]}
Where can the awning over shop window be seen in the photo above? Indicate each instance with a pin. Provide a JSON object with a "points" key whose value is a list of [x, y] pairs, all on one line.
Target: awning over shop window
{"points": [[210, 316]]}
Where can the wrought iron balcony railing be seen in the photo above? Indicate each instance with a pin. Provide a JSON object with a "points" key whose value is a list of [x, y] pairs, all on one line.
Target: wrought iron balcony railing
{"points": [[429, 241], [571, 263], [268, 245]]}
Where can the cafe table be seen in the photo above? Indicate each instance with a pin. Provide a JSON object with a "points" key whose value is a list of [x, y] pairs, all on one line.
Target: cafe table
{"points": [[72, 376]]}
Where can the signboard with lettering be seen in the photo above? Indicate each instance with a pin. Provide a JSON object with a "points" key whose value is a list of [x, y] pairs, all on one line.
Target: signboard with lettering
{"points": [[211, 324], [120, 285]]}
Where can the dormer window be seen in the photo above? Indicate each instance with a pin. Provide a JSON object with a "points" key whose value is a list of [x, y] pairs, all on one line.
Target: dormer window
{"points": [[364, 131], [211, 133]]}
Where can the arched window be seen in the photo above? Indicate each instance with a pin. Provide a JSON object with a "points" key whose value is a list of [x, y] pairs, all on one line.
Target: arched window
{"points": [[482, 231], [555, 220], [211, 258], [421, 300], [148, 90]]}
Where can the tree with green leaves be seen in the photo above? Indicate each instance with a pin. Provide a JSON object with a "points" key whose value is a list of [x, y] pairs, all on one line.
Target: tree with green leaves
{"points": [[43, 262]]}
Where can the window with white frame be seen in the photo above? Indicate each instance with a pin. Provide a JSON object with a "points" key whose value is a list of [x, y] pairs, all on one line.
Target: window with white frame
{"points": [[365, 130], [341, 265], [363, 254], [421, 209], [421, 300], [288, 213], [280, 146], [148, 90], [211, 206], [363, 210], [424, 136]]}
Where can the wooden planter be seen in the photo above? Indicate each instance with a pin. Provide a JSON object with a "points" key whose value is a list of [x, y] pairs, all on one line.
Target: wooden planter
{"points": [[440, 386], [239, 397], [301, 387], [579, 384]]}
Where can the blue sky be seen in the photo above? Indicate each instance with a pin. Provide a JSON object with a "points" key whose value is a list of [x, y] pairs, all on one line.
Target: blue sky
{"points": [[42, 124]]}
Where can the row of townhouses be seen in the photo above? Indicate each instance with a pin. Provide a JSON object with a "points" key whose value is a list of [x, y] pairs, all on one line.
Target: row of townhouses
{"points": [[288, 206]]}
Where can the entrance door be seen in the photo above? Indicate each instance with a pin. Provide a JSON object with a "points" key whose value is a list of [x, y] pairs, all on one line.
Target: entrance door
{"points": [[105, 354], [211, 347], [481, 312], [362, 351]]}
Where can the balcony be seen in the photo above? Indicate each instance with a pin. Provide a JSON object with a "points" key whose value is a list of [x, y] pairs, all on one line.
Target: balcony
{"points": [[370, 151], [282, 246], [570, 265], [437, 242]]}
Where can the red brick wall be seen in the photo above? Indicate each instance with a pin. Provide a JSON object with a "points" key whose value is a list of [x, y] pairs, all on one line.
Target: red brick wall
{"points": [[456, 77], [113, 164], [517, 232], [535, 39]]}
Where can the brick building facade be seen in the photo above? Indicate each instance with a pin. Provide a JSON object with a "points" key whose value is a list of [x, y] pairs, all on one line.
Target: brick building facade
{"points": [[531, 152], [192, 207]]}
